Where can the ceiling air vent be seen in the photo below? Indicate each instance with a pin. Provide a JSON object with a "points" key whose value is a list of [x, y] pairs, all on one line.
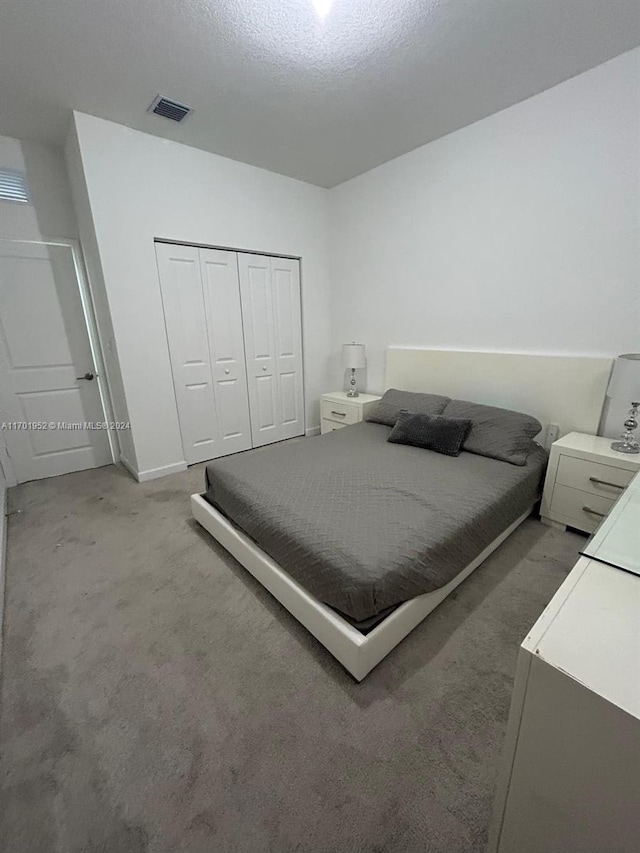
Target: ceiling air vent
{"points": [[169, 109], [13, 186]]}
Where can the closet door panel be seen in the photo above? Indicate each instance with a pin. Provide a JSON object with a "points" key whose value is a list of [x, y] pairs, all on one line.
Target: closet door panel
{"points": [[285, 277], [185, 320], [266, 399], [289, 399], [256, 292], [226, 346]]}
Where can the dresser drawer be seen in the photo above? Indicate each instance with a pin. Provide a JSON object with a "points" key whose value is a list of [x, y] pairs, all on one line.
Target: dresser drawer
{"points": [[593, 477], [340, 412], [568, 505], [330, 426]]}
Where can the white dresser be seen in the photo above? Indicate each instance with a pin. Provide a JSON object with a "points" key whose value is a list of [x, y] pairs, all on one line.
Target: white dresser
{"points": [[570, 780], [337, 410], [584, 478]]}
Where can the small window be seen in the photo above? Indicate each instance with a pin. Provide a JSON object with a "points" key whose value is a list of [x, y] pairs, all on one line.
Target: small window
{"points": [[13, 186]]}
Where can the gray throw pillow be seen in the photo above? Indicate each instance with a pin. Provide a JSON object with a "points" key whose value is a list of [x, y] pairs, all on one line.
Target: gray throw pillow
{"points": [[497, 433], [433, 432], [393, 402]]}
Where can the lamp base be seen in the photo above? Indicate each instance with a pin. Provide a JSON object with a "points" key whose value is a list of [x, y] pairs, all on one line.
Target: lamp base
{"points": [[352, 384], [625, 447], [629, 443]]}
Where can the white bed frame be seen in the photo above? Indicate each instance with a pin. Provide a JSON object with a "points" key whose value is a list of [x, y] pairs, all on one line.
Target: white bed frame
{"points": [[562, 390]]}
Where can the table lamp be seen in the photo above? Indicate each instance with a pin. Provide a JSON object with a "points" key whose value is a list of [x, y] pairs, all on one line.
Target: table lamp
{"points": [[353, 359], [624, 384]]}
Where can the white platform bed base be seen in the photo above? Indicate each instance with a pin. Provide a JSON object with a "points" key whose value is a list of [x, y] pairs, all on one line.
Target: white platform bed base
{"points": [[358, 653]]}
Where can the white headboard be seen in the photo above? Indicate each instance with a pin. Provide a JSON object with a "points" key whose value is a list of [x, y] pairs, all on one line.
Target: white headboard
{"points": [[556, 389]]}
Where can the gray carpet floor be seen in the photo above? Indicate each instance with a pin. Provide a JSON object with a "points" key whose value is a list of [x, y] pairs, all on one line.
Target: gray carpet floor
{"points": [[155, 698]]}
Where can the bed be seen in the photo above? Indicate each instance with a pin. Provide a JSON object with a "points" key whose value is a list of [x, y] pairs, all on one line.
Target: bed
{"points": [[359, 538], [365, 525]]}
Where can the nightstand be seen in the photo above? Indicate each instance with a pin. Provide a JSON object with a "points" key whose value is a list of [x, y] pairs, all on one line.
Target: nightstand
{"points": [[338, 411], [584, 479]]}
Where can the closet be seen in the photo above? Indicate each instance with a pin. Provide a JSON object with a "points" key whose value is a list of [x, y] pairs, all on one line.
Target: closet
{"points": [[234, 331]]}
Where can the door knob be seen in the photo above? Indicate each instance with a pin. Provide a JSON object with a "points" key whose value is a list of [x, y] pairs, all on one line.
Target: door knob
{"points": [[264, 366], [87, 376], [227, 371]]}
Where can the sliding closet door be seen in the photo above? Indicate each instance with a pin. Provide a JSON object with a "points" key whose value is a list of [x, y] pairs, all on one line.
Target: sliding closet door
{"points": [[226, 346], [185, 320], [270, 292]]}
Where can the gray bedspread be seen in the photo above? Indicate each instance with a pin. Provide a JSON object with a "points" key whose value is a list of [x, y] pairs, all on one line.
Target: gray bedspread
{"points": [[363, 524]]}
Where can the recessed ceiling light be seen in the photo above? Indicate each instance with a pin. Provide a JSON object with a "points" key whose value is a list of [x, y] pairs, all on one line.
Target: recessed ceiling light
{"points": [[322, 36], [322, 7]]}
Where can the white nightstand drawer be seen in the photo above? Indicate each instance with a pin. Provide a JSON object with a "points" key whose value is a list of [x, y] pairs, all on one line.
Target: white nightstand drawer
{"points": [[330, 426], [593, 477], [584, 471], [340, 412], [568, 505]]}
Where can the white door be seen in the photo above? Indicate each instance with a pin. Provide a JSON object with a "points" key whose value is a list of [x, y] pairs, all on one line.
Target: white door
{"points": [[46, 406], [285, 281], [186, 324], [270, 292], [201, 299], [226, 347]]}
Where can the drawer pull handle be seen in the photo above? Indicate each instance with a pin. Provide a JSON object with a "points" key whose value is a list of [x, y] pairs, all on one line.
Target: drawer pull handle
{"points": [[340, 414], [594, 511], [604, 483]]}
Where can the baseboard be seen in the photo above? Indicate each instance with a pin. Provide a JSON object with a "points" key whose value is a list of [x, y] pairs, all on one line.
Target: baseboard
{"points": [[130, 468], [153, 473], [312, 431]]}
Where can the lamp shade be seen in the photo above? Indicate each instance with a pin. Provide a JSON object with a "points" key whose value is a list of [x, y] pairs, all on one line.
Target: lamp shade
{"points": [[353, 356], [625, 379]]}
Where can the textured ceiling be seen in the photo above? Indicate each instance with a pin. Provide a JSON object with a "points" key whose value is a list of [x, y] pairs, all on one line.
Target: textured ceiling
{"points": [[275, 85]]}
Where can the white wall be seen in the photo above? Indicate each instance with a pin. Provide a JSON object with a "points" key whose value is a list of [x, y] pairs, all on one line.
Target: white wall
{"points": [[102, 312], [520, 232], [141, 187], [51, 212]]}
